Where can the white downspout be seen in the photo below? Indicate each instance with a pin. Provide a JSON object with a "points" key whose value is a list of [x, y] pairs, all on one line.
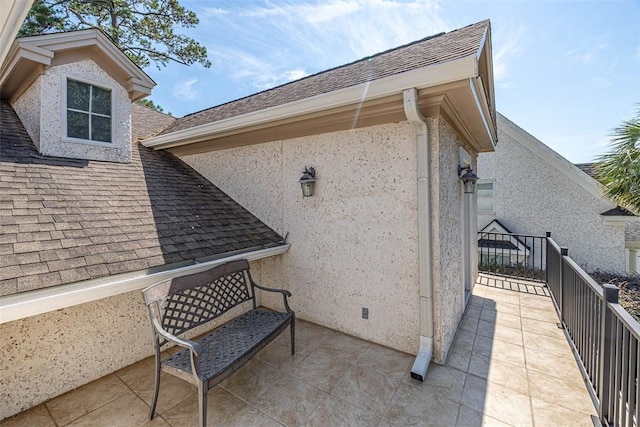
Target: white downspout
{"points": [[421, 364]]}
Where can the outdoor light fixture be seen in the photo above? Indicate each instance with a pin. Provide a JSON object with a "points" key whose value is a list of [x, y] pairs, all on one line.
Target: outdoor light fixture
{"points": [[468, 178], [307, 181]]}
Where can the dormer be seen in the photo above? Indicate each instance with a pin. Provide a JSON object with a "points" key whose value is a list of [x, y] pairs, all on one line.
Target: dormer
{"points": [[73, 93]]}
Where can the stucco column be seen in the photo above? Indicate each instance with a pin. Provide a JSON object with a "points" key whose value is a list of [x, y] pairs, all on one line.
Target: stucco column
{"points": [[633, 260]]}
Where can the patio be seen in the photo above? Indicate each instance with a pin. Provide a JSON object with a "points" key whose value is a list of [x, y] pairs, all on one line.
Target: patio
{"points": [[510, 365]]}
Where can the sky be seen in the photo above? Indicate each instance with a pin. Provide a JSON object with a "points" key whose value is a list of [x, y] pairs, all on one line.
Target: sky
{"points": [[567, 72]]}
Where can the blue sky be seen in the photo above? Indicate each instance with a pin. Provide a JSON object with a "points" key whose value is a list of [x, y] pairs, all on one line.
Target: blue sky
{"points": [[567, 72]]}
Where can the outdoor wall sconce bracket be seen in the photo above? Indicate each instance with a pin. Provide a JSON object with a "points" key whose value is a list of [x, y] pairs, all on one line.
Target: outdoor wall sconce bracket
{"points": [[468, 178], [307, 181]]}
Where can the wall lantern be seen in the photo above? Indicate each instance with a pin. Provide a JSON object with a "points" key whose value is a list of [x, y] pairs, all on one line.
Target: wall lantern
{"points": [[307, 181], [468, 178]]}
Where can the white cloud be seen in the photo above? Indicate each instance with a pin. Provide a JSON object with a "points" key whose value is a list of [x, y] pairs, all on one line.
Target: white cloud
{"points": [[508, 41], [586, 56], [184, 89]]}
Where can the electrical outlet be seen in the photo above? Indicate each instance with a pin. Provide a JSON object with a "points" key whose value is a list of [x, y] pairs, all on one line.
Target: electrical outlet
{"points": [[365, 313]]}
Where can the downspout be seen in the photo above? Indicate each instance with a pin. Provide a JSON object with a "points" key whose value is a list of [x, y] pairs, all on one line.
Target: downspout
{"points": [[425, 351]]}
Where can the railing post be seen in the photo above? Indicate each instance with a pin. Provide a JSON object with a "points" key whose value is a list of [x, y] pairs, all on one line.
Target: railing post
{"points": [[563, 253], [610, 296], [546, 260]]}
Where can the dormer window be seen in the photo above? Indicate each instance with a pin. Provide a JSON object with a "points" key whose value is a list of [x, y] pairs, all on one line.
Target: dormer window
{"points": [[88, 112]]}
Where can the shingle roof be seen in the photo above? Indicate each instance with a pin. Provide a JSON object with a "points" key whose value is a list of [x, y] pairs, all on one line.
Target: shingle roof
{"points": [[588, 168], [617, 211], [432, 50], [64, 220]]}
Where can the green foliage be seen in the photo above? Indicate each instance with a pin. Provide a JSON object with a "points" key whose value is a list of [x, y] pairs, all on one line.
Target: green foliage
{"points": [[143, 29], [619, 169], [150, 104]]}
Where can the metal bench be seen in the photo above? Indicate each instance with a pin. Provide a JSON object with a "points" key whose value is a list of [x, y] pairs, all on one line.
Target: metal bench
{"points": [[178, 305]]}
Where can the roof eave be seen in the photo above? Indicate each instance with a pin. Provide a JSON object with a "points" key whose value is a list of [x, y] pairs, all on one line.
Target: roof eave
{"points": [[435, 75]]}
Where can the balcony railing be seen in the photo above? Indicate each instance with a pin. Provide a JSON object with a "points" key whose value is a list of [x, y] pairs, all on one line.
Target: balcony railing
{"points": [[602, 334], [512, 255]]}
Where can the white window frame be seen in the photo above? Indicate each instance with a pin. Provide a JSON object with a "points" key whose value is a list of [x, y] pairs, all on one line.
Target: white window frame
{"points": [[493, 196], [63, 97]]}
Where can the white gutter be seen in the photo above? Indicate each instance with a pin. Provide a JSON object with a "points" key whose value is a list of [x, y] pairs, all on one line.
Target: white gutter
{"points": [[439, 74], [26, 304], [12, 15], [425, 351]]}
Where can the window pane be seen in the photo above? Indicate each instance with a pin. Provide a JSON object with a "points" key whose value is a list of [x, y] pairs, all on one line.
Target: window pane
{"points": [[485, 189], [101, 102], [77, 125], [77, 95], [485, 204], [101, 128]]}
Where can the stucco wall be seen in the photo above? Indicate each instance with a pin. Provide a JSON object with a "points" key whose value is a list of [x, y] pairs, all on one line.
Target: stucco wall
{"points": [[27, 107], [51, 132], [533, 197], [47, 355], [446, 196], [354, 241]]}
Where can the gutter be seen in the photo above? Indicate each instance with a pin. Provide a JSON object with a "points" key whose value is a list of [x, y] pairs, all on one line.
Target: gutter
{"points": [[27, 304], [425, 267], [439, 74]]}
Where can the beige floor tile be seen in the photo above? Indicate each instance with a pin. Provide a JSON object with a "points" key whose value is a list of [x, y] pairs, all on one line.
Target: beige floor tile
{"points": [[278, 354], [549, 329], [476, 300], [469, 324], [441, 380], [459, 358], [253, 379], [473, 311], [290, 401], [500, 332], [322, 369], [546, 315], [467, 417], [551, 365], [87, 398], [386, 361], [222, 407], [464, 340], [500, 318], [536, 301], [367, 389], [479, 290], [502, 306], [556, 346], [336, 412], [250, 417], [345, 346], [34, 417], [499, 350], [548, 414], [560, 392], [500, 372], [125, 411], [503, 295], [497, 401], [413, 407], [309, 335]]}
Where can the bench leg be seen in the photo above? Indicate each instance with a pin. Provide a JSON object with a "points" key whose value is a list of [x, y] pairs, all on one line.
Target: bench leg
{"points": [[292, 327], [202, 404], [156, 388]]}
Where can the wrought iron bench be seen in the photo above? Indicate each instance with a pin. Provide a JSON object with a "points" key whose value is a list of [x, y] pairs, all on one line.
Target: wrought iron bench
{"points": [[178, 305]]}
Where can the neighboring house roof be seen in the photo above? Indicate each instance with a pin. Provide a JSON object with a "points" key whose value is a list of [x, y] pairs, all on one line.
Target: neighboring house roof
{"points": [[588, 168], [495, 226], [64, 220], [450, 70], [617, 211]]}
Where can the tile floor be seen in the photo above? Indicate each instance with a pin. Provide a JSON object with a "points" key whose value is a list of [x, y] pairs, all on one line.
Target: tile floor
{"points": [[509, 366]]}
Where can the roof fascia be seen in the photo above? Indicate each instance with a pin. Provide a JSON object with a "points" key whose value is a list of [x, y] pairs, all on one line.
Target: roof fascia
{"points": [[483, 107], [434, 75], [27, 304], [554, 159], [12, 15]]}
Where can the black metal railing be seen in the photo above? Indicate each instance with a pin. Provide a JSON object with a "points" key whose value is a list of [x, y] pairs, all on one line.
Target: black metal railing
{"points": [[602, 334], [512, 255]]}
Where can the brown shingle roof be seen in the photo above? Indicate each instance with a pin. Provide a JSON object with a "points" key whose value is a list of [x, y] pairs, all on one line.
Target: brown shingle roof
{"points": [[432, 50], [64, 220], [588, 168]]}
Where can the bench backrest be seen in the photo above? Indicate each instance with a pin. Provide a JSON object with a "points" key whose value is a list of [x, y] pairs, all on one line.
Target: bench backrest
{"points": [[183, 303]]}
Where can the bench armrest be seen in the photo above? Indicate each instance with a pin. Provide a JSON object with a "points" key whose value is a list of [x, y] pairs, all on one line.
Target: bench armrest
{"points": [[284, 293], [193, 346]]}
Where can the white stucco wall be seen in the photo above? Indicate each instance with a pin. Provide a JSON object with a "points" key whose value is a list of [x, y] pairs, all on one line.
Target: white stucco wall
{"points": [[46, 126], [28, 108], [533, 197], [354, 241]]}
